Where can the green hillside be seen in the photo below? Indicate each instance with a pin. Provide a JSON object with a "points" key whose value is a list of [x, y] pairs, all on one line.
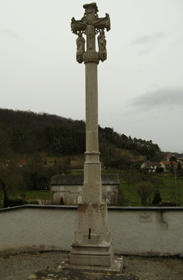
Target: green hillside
{"points": [[29, 133], [50, 145]]}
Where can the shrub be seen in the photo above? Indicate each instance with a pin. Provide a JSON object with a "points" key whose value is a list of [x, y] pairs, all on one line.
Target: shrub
{"points": [[121, 197], [61, 201], [16, 202], [34, 202], [157, 198], [144, 190]]}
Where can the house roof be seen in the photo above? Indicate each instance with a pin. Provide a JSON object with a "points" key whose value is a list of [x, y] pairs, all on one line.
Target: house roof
{"points": [[21, 162], [150, 163], [168, 162], [17, 163], [110, 179], [165, 162], [170, 155]]}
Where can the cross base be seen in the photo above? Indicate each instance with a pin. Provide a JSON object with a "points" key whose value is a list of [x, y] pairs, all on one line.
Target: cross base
{"points": [[93, 242], [115, 267], [101, 255]]}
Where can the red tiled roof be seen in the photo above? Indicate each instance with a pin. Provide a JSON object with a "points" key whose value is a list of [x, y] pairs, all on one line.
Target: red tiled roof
{"points": [[18, 163], [168, 162], [170, 155], [21, 162], [165, 162]]}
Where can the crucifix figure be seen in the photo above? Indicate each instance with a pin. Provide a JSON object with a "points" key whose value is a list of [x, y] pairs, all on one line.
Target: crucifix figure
{"points": [[80, 42], [93, 243], [90, 25]]}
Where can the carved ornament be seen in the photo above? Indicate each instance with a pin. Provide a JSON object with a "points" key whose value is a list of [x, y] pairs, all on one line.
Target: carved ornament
{"points": [[90, 25], [91, 57]]}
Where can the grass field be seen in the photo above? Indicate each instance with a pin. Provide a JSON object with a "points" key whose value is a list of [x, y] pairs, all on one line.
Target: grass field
{"points": [[167, 191], [166, 187], [42, 196], [130, 197]]}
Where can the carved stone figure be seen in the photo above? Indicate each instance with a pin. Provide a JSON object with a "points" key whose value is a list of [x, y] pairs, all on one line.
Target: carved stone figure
{"points": [[90, 24], [80, 42], [102, 42], [90, 32], [102, 46]]}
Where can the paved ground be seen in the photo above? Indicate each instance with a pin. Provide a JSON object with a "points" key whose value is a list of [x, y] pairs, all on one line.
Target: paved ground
{"points": [[70, 275], [20, 267]]}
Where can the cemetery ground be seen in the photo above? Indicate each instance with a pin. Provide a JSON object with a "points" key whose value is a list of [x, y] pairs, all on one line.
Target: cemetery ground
{"points": [[22, 266]]}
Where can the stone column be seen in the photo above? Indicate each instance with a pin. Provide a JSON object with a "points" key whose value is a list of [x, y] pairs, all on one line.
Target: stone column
{"points": [[93, 243], [92, 189]]}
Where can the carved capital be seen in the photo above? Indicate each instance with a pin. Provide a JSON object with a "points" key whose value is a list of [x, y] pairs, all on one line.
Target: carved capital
{"points": [[91, 56], [102, 55], [79, 58]]}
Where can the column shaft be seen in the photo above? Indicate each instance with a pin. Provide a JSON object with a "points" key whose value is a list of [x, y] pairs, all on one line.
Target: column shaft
{"points": [[92, 189], [91, 108]]}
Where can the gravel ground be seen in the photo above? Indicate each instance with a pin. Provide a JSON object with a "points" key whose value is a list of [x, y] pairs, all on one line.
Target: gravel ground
{"points": [[20, 267]]}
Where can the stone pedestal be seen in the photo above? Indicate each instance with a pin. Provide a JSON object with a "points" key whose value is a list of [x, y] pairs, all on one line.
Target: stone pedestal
{"points": [[93, 243]]}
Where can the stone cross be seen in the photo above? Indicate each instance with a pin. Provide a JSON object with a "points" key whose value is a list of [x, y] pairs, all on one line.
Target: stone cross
{"points": [[91, 24], [93, 243]]}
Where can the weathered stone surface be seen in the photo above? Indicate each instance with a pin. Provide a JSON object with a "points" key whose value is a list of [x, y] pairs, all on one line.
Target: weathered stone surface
{"points": [[25, 226], [93, 243], [90, 25], [115, 267]]}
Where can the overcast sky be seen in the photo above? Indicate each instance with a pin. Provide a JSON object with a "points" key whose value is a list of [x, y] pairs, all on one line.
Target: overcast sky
{"points": [[140, 85]]}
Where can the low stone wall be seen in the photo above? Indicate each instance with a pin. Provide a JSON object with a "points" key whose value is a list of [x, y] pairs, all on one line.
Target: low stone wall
{"points": [[135, 230]]}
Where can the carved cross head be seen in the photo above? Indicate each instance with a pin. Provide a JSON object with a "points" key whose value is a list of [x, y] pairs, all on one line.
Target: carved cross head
{"points": [[90, 25]]}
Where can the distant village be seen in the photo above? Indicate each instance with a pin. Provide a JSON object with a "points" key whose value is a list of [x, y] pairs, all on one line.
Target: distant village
{"points": [[166, 165]]}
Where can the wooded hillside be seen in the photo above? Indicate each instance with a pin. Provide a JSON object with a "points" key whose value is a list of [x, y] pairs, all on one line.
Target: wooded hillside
{"points": [[28, 132]]}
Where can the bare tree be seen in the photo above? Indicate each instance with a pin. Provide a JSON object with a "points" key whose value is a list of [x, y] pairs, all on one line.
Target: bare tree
{"points": [[10, 179], [144, 190]]}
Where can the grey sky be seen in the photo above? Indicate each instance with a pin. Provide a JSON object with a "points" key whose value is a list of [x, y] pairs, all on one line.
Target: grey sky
{"points": [[161, 97], [148, 39], [140, 85]]}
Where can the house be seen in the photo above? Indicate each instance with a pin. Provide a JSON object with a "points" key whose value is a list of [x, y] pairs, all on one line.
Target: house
{"points": [[150, 166], [69, 189], [21, 163], [168, 157], [166, 165]]}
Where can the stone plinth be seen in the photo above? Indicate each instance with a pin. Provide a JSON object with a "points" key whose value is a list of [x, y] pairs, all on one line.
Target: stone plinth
{"points": [[114, 268], [93, 242]]}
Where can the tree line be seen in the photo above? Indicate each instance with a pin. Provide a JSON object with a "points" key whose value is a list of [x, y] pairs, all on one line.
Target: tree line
{"points": [[27, 132]]}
